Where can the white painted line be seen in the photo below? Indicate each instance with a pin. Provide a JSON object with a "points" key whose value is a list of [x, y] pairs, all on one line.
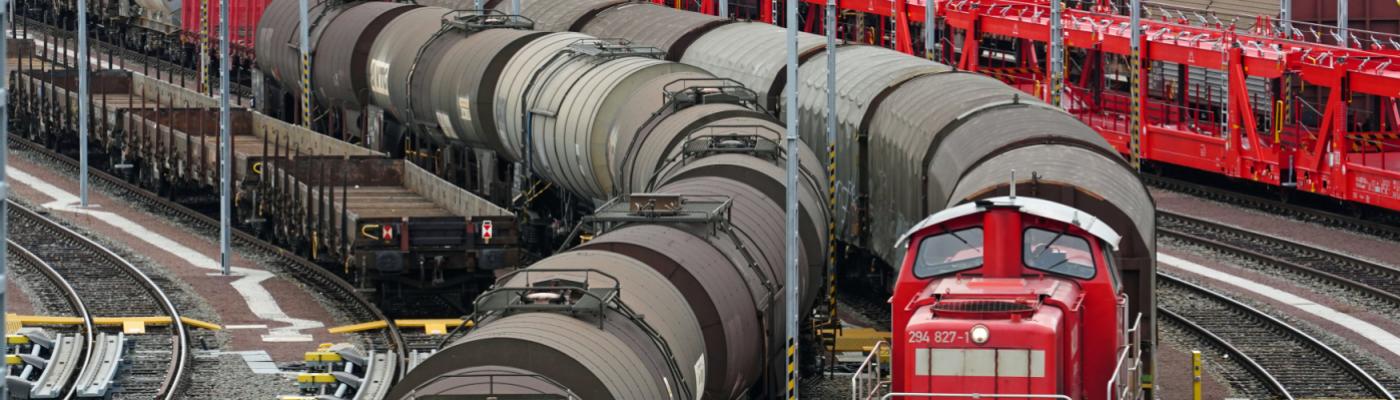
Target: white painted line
{"points": [[286, 338], [249, 286], [1371, 332], [260, 362], [231, 274], [250, 326]]}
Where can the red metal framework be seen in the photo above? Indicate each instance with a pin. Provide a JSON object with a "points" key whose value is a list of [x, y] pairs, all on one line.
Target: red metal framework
{"points": [[1288, 109], [243, 23]]}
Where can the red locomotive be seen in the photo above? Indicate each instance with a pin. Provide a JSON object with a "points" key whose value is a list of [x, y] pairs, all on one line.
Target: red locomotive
{"points": [[1009, 297]]}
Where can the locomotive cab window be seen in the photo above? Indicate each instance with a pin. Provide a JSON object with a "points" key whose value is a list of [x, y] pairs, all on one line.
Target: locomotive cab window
{"points": [[949, 252], [1058, 253]]}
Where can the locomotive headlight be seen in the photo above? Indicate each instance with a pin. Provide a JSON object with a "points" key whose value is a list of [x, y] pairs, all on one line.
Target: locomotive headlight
{"points": [[979, 334]]}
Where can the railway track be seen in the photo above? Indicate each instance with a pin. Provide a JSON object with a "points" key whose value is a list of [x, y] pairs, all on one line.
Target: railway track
{"points": [[56, 296], [1289, 362], [1387, 229], [356, 306], [109, 286], [1375, 280]]}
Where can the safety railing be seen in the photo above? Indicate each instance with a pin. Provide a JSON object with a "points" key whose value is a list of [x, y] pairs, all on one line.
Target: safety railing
{"points": [[1111, 111], [1375, 153], [870, 377], [1127, 372]]}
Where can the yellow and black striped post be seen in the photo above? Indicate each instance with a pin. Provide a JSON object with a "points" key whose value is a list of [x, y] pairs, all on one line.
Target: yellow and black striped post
{"points": [[1057, 53], [305, 34], [1196, 374], [306, 90], [1135, 62], [833, 324], [204, 46], [831, 320], [1135, 128], [792, 367], [791, 311]]}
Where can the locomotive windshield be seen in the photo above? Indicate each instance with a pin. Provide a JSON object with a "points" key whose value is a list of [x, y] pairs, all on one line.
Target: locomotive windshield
{"points": [[1059, 253], [949, 252]]}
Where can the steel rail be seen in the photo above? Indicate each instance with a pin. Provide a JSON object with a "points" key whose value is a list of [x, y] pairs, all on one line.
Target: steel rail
{"points": [[303, 269], [1385, 230], [172, 387], [1369, 277], [70, 295], [1236, 354], [1350, 368]]}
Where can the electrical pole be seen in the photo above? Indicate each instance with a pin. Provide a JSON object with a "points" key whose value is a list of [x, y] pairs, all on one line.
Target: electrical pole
{"points": [[1057, 52], [305, 64], [4, 183], [931, 30], [831, 164], [791, 287], [1342, 20], [82, 104], [225, 142]]}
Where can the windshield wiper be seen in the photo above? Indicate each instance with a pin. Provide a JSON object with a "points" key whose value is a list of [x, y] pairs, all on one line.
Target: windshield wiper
{"points": [[1052, 241], [960, 239]]}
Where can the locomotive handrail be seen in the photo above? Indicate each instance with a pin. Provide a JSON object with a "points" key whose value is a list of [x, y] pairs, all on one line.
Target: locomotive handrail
{"points": [[864, 376], [1132, 348]]}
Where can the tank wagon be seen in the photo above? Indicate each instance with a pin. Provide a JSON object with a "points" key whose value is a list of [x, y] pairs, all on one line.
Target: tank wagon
{"points": [[383, 223], [673, 292], [684, 270], [385, 100], [916, 137]]}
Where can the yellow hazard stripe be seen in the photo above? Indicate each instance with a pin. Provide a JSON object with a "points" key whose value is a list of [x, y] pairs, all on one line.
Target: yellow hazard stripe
{"points": [[1135, 127], [306, 90], [792, 369], [1375, 136]]}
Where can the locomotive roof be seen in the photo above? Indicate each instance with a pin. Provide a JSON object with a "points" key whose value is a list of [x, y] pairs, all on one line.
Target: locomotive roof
{"points": [[1029, 205]]}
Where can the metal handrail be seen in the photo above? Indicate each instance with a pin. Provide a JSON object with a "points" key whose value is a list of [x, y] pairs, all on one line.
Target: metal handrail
{"points": [[870, 374], [978, 396], [1131, 348]]}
